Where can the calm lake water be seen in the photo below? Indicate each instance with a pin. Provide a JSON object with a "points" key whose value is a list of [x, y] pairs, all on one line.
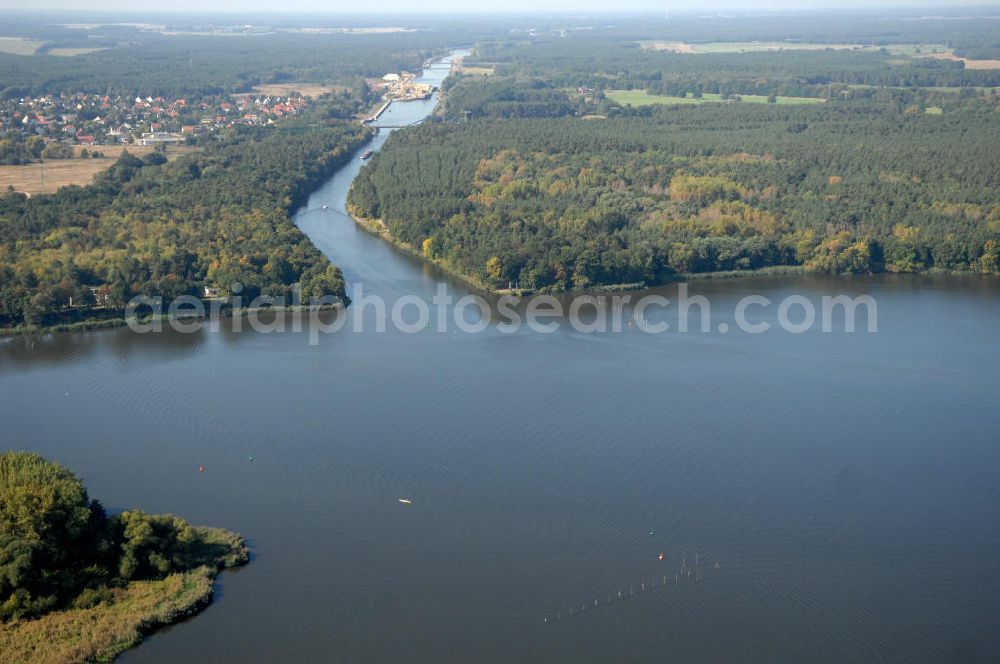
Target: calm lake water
{"points": [[816, 497]]}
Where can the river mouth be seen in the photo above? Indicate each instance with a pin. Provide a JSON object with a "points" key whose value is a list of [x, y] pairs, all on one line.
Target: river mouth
{"points": [[816, 496]]}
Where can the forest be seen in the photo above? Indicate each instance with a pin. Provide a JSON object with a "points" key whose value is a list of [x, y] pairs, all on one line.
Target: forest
{"points": [[196, 66], [568, 202], [58, 546], [962, 28], [79, 584], [151, 227], [604, 61], [16, 150], [531, 176]]}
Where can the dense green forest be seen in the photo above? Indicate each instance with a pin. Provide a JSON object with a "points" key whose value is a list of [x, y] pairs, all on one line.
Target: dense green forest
{"points": [[964, 28], [560, 203], [153, 227], [158, 228], [59, 548], [604, 61], [17, 150], [192, 66], [195, 56], [184, 59], [567, 73], [80, 585], [836, 56], [532, 176]]}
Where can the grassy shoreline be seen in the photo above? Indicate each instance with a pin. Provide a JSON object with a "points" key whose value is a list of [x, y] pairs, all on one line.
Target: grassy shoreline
{"points": [[290, 194], [103, 631]]}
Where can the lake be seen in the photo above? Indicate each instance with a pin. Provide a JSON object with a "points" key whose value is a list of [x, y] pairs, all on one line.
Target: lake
{"points": [[815, 497]]}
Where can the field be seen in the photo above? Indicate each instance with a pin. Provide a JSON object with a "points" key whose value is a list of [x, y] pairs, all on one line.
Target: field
{"points": [[475, 71], [673, 47], [70, 52], [19, 46], [63, 172], [945, 90], [744, 47], [978, 89], [917, 50], [909, 50], [91, 26], [376, 30], [459, 65], [305, 89], [969, 64], [643, 98]]}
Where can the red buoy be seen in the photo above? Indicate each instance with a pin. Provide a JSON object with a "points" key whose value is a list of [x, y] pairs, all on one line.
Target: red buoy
{"points": [[661, 556], [201, 468]]}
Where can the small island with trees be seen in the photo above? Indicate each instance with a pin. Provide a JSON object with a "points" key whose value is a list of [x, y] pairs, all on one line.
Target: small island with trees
{"points": [[78, 584]]}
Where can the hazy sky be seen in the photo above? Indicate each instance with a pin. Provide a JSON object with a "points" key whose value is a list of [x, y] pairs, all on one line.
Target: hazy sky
{"points": [[411, 6]]}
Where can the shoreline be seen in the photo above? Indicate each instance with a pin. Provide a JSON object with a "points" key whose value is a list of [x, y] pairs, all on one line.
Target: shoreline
{"points": [[97, 318], [104, 631], [89, 324], [378, 227]]}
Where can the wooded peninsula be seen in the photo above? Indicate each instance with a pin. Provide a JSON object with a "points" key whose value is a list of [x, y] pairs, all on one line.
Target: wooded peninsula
{"points": [[77, 584]]}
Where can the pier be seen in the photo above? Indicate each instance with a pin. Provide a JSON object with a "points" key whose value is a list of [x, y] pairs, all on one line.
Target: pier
{"points": [[374, 116]]}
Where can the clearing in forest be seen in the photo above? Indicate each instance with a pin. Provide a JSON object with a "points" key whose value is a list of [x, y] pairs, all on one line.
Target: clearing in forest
{"points": [[643, 98]]}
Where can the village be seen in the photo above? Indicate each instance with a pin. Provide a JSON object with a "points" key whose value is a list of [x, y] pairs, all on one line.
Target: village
{"points": [[88, 120], [94, 120], [56, 140]]}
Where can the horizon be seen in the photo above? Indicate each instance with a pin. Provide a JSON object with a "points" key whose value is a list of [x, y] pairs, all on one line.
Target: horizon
{"points": [[398, 8]]}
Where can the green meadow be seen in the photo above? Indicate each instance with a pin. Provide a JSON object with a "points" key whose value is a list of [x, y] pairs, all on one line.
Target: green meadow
{"points": [[643, 98]]}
